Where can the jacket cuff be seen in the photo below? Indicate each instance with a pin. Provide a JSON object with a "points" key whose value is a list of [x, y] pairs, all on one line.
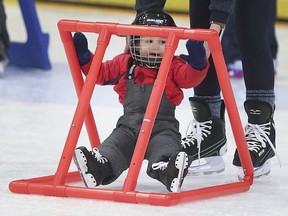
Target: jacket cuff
{"points": [[219, 16]]}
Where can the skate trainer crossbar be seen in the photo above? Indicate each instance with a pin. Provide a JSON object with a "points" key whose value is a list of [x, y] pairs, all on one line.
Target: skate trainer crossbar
{"points": [[57, 185]]}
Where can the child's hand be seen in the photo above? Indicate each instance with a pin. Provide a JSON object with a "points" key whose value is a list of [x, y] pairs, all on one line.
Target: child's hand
{"points": [[81, 46], [197, 54]]}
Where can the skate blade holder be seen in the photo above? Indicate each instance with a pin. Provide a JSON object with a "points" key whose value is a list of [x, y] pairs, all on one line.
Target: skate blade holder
{"points": [[58, 184]]}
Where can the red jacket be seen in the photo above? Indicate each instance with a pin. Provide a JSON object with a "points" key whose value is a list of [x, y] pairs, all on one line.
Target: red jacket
{"points": [[181, 75]]}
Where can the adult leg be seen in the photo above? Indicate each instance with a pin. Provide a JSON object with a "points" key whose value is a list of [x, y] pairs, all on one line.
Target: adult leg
{"points": [[199, 18], [4, 39], [3, 29], [252, 30], [207, 140], [143, 5], [271, 33]]}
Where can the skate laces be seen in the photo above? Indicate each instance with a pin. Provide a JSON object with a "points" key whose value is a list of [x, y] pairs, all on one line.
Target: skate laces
{"points": [[198, 132], [257, 138], [160, 165], [100, 158]]}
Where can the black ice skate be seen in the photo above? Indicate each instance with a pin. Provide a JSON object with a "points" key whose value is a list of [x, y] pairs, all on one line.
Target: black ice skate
{"points": [[172, 173], [260, 137], [207, 139], [93, 167]]}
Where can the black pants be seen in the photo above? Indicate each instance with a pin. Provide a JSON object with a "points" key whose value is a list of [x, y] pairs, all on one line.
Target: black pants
{"points": [[143, 5], [229, 40], [3, 30], [252, 30], [199, 18]]}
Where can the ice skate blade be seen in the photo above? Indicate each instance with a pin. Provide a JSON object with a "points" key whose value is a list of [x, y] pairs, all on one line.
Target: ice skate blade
{"points": [[259, 172], [206, 166], [181, 163], [81, 164]]}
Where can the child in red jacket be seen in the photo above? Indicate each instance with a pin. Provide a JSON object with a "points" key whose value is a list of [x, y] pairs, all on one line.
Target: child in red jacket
{"points": [[133, 76]]}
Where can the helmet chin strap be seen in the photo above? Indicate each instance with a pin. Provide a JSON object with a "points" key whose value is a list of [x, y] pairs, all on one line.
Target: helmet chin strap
{"points": [[152, 67], [151, 62]]}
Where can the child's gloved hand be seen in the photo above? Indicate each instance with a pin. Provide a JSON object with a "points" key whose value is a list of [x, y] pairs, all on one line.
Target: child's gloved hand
{"points": [[81, 46], [197, 54]]}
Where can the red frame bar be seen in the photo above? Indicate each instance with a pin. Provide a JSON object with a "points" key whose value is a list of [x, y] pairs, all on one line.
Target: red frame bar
{"points": [[56, 185]]}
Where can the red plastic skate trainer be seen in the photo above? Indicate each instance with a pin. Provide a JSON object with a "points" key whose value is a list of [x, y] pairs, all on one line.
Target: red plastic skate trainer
{"points": [[57, 185]]}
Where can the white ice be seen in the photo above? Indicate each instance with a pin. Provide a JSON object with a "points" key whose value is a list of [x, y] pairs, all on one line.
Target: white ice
{"points": [[37, 107]]}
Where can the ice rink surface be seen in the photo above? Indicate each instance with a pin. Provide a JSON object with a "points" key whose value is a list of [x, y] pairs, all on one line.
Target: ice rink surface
{"points": [[37, 107]]}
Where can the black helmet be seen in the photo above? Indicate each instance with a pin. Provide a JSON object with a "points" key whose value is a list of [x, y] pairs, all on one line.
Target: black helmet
{"points": [[148, 18], [154, 18]]}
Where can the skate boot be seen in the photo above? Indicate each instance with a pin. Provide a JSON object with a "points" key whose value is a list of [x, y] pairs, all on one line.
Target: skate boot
{"points": [[260, 137], [206, 141], [172, 172], [93, 167]]}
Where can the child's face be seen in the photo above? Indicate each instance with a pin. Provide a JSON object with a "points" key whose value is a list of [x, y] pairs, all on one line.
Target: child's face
{"points": [[151, 46]]}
